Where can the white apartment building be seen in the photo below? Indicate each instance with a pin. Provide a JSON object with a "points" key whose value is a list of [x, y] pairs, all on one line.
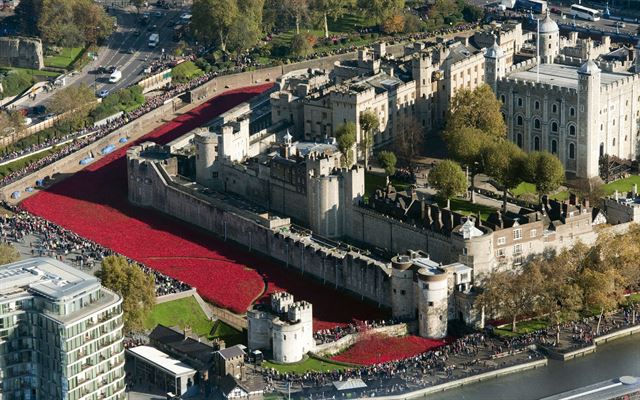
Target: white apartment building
{"points": [[60, 334]]}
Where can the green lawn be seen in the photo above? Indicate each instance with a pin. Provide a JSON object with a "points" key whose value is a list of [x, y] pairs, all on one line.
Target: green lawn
{"points": [[34, 72], [16, 165], [622, 185], [227, 333], [64, 59], [467, 208], [524, 188], [181, 312], [310, 364], [522, 327], [376, 181]]}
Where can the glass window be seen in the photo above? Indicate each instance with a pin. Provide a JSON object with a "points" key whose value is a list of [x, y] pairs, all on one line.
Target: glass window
{"points": [[572, 151]]}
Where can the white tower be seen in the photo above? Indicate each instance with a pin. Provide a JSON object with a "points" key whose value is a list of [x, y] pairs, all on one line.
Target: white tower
{"points": [[549, 40], [589, 147]]}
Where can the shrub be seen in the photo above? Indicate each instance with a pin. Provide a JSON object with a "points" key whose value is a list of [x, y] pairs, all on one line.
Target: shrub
{"points": [[302, 44], [123, 100], [185, 71]]}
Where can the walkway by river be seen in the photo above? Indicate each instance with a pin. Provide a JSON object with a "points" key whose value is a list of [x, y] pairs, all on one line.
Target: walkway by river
{"points": [[620, 357]]}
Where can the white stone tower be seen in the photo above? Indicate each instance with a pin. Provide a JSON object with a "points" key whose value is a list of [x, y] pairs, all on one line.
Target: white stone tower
{"points": [[589, 147], [206, 156], [495, 65], [402, 297], [432, 303], [549, 40]]}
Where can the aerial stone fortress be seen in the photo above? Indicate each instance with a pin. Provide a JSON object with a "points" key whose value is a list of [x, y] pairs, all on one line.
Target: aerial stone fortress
{"points": [[268, 174]]}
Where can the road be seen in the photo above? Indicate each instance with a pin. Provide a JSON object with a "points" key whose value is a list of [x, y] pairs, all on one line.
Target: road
{"points": [[115, 51]]}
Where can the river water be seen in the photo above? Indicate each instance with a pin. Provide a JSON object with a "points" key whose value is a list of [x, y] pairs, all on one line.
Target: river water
{"points": [[611, 360]]}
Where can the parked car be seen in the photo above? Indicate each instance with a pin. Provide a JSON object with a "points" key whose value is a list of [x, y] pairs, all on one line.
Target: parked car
{"points": [[111, 69], [103, 93]]}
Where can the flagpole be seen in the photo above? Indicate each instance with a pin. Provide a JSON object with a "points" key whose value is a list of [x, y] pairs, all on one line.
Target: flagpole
{"points": [[538, 53]]}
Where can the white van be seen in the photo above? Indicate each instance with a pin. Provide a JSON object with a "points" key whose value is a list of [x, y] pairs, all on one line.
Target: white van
{"points": [[154, 39], [115, 76]]}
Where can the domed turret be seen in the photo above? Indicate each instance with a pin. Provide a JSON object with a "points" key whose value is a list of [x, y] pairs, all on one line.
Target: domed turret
{"points": [[589, 68], [494, 51], [548, 40], [548, 25]]}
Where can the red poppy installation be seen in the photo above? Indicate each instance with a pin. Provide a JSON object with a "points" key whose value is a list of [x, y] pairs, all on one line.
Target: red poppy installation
{"points": [[376, 348], [93, 203]]}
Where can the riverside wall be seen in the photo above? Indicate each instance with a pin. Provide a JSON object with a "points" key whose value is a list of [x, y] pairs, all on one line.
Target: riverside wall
{"points": [[71, 163], [151, 186]]}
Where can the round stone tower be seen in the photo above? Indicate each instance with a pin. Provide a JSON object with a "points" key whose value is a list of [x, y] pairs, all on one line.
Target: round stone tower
{"points": [[206, 155], [402, 304], [432, 303], [549, 40]]}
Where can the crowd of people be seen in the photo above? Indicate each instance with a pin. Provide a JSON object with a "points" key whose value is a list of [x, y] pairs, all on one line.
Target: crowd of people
{"points": [[62, 244]]}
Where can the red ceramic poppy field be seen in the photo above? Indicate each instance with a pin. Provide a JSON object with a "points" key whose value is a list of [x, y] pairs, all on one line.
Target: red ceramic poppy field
{"points": [[93, 203], [374, 349]]}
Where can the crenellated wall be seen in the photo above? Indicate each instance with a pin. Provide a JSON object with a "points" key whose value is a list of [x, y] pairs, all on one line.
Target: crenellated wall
{"points": [[21, 52], [151, 186]]}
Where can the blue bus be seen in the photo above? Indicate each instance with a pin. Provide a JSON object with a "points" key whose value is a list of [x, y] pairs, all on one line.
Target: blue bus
{"points": [[537, 6]]}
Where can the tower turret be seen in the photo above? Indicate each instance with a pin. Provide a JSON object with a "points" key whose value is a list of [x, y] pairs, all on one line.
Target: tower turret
{"points": [[549, 40], [402, 296], [495, 65], [588, 151]]}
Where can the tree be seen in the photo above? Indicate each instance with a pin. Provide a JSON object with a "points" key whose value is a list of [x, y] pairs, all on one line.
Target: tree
{"points": [[560, 297], [8, 254], [445, 12], [78, 98], [380, 9], [68, 22], [545, 171], [332, 8], [505, 162], [213, 20], [466, 145], [408, 141], [10, 121], [246, 30], [474, 122], [387, 160], [346, 137], [448, 179], [302, 44], [477, 109], [368, 124], [511, 294], [601, 291], [393, 23], [136, 288], [298, 9]]}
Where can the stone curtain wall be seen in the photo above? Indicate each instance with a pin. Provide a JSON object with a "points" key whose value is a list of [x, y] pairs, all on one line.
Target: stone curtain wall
{"points": [[349, 271], [21, 52]]}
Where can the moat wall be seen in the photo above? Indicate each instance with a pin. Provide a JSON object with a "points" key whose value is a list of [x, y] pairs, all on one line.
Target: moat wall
{"points": [[151, 186]]}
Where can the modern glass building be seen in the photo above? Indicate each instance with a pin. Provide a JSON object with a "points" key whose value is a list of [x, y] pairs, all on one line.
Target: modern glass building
{"points": [[60, 334]]}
